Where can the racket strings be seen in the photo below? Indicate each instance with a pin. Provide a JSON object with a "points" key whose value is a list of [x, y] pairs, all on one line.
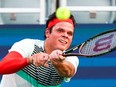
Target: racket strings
{"points": [[99, 44]]}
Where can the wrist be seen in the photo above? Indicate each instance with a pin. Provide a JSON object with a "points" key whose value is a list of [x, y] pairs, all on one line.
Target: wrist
{"points": [[29, 60]]}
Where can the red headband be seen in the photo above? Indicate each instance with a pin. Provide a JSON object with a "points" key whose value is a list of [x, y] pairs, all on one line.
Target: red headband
{"points": [[55, 21]]}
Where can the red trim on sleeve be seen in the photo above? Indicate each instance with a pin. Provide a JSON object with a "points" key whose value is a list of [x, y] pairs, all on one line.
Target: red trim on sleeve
{"points": [[12, 63]]}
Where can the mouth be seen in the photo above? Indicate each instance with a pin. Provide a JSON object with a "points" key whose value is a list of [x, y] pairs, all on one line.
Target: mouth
{"points": [[63, 41]]}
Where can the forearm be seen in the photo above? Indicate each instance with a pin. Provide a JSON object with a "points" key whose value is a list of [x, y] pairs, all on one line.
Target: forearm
{"points": [[12, 63], [64, 68]]}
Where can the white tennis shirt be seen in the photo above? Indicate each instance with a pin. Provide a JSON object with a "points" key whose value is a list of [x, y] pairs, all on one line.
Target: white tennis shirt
{"points": [[32, 76]]}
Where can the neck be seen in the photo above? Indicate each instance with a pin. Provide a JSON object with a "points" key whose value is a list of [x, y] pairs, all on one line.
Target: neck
{"points": [[47, 47]]}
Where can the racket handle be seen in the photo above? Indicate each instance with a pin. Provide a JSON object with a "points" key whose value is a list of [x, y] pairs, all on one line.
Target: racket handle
{"points": [[72, 54], [77, 54]]}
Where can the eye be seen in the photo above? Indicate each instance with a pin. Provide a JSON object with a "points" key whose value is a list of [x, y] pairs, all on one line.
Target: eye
{"points": [[70, 33], [60, 30]]}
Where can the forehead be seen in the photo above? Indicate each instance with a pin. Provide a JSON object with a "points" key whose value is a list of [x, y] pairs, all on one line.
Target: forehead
{"points": [[64, 25]]}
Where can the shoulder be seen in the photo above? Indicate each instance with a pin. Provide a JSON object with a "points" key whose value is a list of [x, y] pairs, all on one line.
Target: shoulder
{"points": [[73, 59], [28, 41], [25, 46]]}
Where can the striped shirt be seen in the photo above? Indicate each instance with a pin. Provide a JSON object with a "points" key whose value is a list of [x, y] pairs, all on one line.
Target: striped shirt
{"points": [[32, 76]]}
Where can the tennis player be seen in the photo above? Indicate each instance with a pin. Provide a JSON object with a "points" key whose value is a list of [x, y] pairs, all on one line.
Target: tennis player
{"points": [[37, 63]]}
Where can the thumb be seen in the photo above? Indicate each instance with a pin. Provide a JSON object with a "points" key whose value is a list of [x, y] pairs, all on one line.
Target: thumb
{"points": [[46, 65]]}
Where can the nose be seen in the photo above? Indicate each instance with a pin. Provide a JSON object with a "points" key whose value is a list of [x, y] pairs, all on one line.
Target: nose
{"points": [[65, 35]]}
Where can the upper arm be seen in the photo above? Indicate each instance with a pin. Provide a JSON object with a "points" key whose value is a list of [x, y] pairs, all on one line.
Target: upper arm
{"points": [[74, 61], [24, 47]]}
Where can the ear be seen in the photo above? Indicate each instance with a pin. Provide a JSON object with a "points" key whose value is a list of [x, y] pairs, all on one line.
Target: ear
{"points": [[47, 32]]}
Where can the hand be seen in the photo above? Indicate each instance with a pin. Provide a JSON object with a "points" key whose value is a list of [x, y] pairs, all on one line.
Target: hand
{"points": [[39, 59], [56, 55]]}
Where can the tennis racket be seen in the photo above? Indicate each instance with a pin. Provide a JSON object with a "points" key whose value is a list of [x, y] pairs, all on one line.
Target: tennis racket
{"points": [[99, 44]]}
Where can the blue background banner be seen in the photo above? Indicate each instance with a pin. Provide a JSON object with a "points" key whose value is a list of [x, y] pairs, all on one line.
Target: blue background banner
{"points": [[92, 72]]}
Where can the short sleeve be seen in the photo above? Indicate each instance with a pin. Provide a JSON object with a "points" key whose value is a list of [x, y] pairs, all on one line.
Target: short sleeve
{"points": [[75, 61], [24, 47]]}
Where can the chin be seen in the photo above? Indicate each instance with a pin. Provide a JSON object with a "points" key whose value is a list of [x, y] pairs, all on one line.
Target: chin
{"points": [[63, 48]]}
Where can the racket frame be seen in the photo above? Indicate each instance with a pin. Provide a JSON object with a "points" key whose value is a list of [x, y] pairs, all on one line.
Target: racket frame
{"points": [[68, 52]]}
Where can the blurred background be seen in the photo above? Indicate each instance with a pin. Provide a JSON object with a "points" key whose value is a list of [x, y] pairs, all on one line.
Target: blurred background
{"points": [[21, 19], [37, 11]]}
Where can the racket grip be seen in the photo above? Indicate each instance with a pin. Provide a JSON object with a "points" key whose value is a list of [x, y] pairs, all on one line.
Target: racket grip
{"points": [[66, 51]]}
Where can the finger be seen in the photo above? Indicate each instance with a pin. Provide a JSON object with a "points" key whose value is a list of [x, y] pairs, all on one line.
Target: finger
{"points": [[59, 55], [46, 65], [61, 58], [54, 56], [46, 58], [38, 59], [35, 60]]}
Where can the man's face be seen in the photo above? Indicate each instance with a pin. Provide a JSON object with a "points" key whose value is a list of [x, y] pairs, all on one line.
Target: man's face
{"points": [[61, 36]]}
